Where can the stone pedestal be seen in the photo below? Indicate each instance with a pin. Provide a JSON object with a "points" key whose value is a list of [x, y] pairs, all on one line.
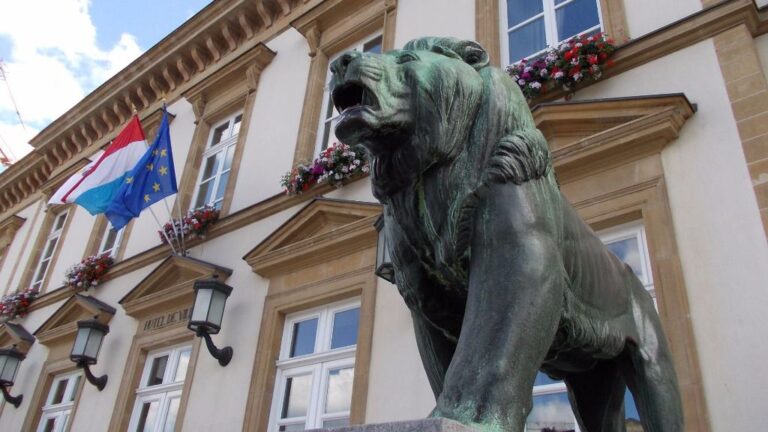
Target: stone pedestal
{"points": [[426, 425]]}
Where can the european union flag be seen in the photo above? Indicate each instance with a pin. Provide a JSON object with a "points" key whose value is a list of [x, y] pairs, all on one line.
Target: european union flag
{"points": [[152, 179]]}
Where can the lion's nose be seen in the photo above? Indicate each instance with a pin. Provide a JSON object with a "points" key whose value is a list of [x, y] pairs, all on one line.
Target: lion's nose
{"points": [[340, 65]]}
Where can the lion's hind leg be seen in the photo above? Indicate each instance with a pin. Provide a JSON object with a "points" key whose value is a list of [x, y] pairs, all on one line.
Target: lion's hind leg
{"points": [[597, 398], [649, 372]]}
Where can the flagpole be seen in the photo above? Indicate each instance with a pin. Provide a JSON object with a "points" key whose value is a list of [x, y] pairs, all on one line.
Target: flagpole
{"points": [[178, 209], [180, 238], [162, 230]]}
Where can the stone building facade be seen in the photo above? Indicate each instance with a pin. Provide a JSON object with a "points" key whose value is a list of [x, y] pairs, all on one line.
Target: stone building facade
{"points": [[666, 157]]}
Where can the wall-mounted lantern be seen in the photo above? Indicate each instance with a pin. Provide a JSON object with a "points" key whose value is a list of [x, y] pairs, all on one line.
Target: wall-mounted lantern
{"points": [[85, 350], [384, 268], [10, 358], [207, 314]]}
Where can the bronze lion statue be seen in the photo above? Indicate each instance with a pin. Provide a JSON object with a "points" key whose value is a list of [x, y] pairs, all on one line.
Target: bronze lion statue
{"points": [[502, 276]]}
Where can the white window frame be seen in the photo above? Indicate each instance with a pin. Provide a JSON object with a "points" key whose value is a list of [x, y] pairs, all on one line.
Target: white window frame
{"points": [[227, 144], [163, 393], [115, 245], [626, 231], [62, 411], [318, 365], [550, 27], [38, 277], [325, 120]]}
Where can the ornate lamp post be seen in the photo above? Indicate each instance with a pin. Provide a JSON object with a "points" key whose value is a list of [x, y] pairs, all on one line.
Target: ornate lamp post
{"points": [[207, 314], [9, 365], [384, 268], [85, 350]]}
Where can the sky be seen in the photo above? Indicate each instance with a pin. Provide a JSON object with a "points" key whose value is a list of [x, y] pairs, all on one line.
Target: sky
{"points": [[55, 52]]}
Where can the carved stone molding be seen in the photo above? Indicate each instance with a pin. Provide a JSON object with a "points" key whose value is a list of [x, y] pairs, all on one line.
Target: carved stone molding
{"points": [[15, 334], [8, 228], [323, 230], [63, 322], [170, 283], [590, 136]]}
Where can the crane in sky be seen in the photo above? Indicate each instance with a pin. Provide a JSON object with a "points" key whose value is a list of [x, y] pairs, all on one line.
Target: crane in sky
{"points": [[7, 157]]}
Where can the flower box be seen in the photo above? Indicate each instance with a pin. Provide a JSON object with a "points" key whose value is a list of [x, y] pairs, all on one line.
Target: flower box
{"points": [[87, 273], [332, 166], [579, 59], [195, 224], [16, 305]]}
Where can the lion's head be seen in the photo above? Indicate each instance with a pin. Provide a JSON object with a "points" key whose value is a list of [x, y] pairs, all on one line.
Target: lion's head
{"points": [[435, 101]]}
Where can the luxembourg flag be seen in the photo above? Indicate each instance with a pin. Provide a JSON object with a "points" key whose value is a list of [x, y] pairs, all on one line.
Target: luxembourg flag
{"points": [[94, 187]]}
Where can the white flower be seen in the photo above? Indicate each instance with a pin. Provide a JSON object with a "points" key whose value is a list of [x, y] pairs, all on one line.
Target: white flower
{"points": [[577, 76], [559, 74], [535, 85], [521, 82], [578, 45], [338, 176], [575, 61]]}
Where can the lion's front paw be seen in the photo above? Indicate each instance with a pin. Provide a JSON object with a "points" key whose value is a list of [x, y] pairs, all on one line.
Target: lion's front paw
{"points": [[478, 413]]}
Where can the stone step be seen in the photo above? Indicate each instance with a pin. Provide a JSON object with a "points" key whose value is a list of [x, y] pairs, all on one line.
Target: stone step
{"points": [[426, 425]]}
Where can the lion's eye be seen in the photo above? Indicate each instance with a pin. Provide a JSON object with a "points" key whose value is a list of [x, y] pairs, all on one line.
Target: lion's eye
{"points": [[406, 57]]}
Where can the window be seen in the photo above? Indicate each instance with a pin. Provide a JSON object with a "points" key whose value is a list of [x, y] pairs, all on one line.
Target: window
{"points": [[532, 25], [217, 162], [329, 115], [58, 405], [551, 408], [315, 369], [159, 394], [48, 250], [110, 241]]}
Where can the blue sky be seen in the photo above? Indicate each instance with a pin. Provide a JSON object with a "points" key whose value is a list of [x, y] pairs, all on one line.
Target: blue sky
{"points": [[150, 21], [55, 52]]}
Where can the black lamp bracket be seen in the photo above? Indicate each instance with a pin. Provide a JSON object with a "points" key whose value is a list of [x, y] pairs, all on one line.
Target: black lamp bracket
{"points": [[99, 382], [223, 355], [13, 400]]}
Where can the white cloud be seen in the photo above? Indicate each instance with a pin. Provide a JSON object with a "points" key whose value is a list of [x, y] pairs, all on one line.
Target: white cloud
{"points": [[55, 61]]}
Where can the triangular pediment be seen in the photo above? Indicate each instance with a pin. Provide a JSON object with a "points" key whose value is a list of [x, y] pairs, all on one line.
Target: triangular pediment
{"points": [[171, 282], [15, 334], [319, 231], [63, 322], [588, 134]]}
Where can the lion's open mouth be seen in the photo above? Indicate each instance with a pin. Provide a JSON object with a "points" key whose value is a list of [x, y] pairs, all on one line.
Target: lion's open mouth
{"points": [[351, 95]]}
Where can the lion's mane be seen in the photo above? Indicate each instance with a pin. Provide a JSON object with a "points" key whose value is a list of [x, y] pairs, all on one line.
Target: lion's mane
{"points": [[500, 144]]}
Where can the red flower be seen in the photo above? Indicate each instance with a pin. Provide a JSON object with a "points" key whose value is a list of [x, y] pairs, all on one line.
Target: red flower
{"points": [[568, 55], [609, 63], [574, 70], [592, 59]]}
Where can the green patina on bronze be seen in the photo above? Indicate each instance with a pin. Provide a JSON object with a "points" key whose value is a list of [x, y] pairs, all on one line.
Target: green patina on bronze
{"points": [[501, 275]]}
